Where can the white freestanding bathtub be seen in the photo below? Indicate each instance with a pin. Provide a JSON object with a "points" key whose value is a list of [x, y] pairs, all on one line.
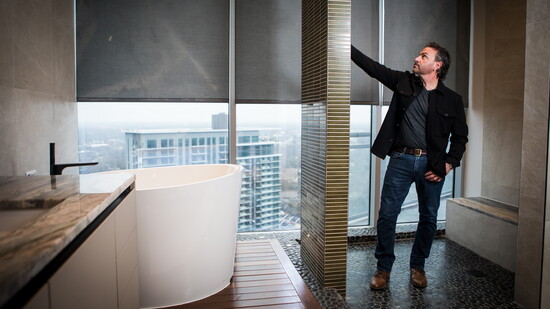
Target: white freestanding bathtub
{"points": [[187, 228]]}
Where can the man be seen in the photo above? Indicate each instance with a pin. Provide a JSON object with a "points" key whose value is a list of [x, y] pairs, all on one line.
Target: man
{"points": [[423, 113]]}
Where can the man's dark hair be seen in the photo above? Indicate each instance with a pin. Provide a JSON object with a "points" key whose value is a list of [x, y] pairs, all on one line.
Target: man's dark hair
{"points": [[443, 56]]}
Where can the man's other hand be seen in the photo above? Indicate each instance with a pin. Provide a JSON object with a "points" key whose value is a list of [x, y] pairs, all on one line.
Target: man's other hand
{"points": [[431, 176]]}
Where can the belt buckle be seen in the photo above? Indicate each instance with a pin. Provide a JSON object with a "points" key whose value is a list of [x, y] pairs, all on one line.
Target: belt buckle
{"points": [[417, 152]]}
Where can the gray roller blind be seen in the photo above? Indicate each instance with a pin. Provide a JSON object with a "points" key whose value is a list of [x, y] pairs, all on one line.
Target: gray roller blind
{"points": [[410, 24], [364, 36], [268, 51], [152, 50]]}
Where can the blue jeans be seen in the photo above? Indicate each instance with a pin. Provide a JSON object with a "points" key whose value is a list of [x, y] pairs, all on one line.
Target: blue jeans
{"points": [[402, 171]]}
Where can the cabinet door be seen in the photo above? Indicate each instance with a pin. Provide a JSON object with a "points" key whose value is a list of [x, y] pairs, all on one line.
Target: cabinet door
{"points": [[127, 253], [88, 278]]}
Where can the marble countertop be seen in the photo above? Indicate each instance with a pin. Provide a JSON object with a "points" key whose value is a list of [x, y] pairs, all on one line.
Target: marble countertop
{"points": [[63, 206]]}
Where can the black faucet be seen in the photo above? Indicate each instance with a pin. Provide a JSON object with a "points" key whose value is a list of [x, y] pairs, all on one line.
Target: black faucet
{"points": [[56, 169]]}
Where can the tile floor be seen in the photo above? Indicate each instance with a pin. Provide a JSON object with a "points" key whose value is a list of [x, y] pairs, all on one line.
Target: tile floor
{"points": [[457, 277]]}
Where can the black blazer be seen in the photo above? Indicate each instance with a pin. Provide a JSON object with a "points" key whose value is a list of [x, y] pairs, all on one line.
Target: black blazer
{"points": [[446, 117]]}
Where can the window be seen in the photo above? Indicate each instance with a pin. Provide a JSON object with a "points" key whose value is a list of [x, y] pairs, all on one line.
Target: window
{"points": [[151, 143], [267, 93], [106, 131], [271, 183], [359, 165]]}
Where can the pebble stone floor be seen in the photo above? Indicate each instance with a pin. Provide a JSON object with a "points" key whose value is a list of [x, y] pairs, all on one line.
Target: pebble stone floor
{"points": [[457, 277]]}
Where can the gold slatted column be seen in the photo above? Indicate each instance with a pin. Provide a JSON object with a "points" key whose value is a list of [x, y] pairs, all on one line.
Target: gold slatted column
{"points": [[326, 75]]}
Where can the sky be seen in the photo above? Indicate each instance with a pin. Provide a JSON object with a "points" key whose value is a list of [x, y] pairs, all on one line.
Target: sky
{"points": [[198, 115], [188, 114]]}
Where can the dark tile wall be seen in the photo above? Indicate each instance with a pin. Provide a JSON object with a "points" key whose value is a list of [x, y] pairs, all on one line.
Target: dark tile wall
{"points": [[326, 75]]}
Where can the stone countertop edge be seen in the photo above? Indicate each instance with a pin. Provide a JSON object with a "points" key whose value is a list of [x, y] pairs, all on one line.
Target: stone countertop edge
{"points": [[24, 252]]}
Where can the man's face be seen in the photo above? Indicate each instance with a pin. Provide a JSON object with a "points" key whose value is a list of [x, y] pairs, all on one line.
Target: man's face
{"points": [[425, 63]]}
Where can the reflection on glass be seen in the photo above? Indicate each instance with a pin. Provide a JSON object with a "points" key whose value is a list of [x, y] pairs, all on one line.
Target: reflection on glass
{"points": [[359, 165]]}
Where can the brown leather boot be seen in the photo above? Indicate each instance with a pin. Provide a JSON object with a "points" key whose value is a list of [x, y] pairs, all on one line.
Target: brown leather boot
{"points": [[380, 280], [418, 278]]}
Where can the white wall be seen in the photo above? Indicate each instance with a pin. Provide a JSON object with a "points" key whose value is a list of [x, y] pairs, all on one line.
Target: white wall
{"points": [[474, 113], [495, 115], [37, 85]]}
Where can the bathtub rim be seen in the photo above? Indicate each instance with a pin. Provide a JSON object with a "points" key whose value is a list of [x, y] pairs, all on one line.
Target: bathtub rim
{"points": [[236, 169]]}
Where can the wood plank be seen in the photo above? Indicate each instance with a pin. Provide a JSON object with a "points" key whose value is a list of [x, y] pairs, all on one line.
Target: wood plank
{"points": [[254, 253], [260, 277], [256, 289], [258, 267], [245, 284], [249, 254], [307, 298], [254, 245], [238, 253], [285, 306], [242, 305], [252, 263], [262, 250], [259, 247], [267, 301], [264, 278], [253, 242], [259, 272], [254, 248], [247, 296], [256, 258]]}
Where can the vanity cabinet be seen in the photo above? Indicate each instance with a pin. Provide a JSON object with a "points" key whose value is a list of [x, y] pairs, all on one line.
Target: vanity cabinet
{"points": [[102, 272], [88, 277]]}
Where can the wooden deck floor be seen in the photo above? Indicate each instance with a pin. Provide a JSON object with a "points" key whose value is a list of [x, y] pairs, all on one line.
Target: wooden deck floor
{"points": [[264, 278]]}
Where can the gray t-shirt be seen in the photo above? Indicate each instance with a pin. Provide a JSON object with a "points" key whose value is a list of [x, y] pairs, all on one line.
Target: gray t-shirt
{"points": [[412, 132]]}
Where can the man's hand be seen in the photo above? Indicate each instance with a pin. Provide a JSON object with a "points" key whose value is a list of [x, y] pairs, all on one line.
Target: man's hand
{"points": [[431, 176], [448, 168]]}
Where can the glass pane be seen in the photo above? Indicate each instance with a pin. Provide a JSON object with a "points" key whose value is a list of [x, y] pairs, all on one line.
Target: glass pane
{"points": [[359, 165], [140, 135], [270, 154]]}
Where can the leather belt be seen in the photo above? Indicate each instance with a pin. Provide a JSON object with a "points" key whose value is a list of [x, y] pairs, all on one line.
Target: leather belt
{"points": [[412, 151]]}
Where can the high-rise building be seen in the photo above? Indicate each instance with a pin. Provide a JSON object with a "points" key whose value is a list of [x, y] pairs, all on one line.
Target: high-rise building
{"points": [[219, 121], [261, 185]]}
